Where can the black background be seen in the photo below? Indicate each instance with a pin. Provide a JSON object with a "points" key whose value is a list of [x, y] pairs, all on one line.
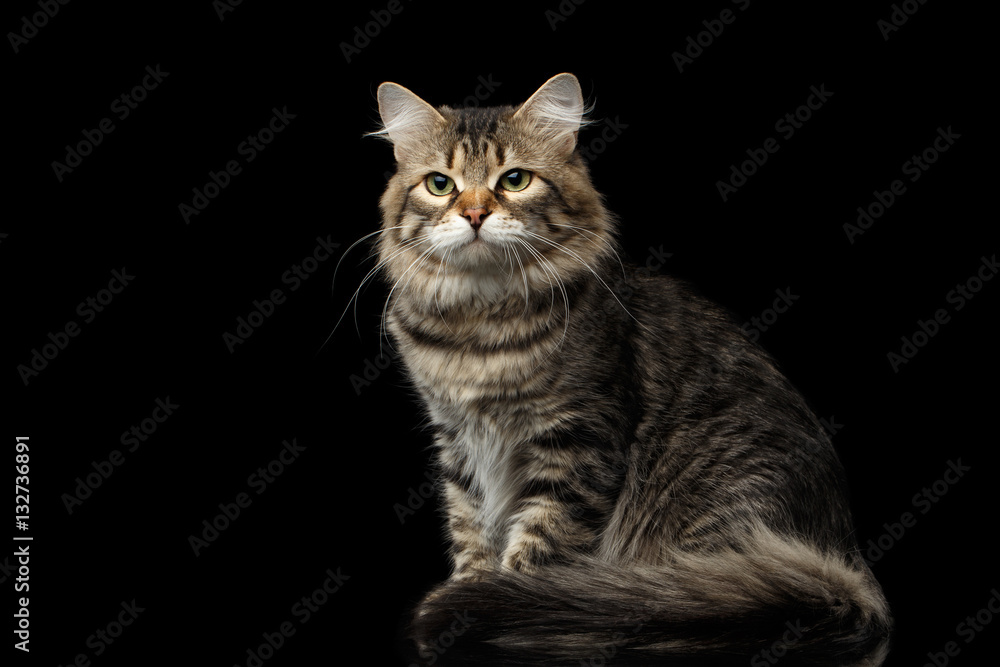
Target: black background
{"points": [[335, 506]]}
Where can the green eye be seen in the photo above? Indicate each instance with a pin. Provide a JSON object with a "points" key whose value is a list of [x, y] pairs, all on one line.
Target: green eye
{"points": [[515, 180], [439, 184]]}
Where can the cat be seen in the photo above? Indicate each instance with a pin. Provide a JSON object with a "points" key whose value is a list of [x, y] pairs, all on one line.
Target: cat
{"points": [[620, 466]]}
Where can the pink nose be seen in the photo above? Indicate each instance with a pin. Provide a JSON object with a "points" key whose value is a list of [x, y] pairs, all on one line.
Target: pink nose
{"points": [[475, 216]]}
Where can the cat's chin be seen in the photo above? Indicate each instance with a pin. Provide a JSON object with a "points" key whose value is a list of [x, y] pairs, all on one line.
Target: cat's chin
{"points": [[477, 255], [479, 278]]}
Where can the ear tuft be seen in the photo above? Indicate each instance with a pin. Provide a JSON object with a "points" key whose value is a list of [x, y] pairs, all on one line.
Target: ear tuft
{"points": [[406, 119], [556, 110]]}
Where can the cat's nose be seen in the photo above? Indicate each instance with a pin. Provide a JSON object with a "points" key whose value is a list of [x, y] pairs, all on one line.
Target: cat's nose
{"points": [[475, 216]]}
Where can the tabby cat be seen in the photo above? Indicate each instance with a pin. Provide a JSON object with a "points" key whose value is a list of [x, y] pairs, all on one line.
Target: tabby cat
{"points": [[621, 468]]}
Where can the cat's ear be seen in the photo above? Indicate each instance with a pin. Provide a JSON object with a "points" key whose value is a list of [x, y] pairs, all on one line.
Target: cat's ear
{"points": [[406, 119], [556, 111]]}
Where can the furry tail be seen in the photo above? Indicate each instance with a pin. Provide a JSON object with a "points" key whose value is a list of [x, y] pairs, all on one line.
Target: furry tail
{"points": [[776, 597]]}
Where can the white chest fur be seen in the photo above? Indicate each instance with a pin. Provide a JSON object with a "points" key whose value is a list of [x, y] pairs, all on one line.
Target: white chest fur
{"points": [[485, 453]]}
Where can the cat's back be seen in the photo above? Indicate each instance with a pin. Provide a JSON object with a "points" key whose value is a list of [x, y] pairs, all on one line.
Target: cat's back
{"points": [[723, 434]]}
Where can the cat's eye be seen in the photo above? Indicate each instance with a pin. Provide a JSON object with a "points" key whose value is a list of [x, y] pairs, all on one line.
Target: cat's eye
{"points": [[515, 180], [439, 184]]}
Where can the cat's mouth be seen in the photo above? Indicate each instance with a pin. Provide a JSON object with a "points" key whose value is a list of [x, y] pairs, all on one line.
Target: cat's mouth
{"points": [[480, 249], [480, 253], [480, 241], [496, 246]]}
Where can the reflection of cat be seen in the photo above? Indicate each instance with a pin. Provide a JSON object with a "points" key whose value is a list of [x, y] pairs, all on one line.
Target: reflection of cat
{"points": [[610, 450]]}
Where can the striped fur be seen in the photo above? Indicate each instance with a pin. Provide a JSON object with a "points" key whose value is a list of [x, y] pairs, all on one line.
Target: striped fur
{"points": [[611, 446]]}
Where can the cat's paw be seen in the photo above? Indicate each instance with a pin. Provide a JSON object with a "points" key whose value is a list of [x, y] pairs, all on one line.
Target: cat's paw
{"points": [[524, 561]]}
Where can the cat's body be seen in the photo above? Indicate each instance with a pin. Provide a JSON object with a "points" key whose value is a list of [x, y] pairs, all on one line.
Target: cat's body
{"points": [[618, 460]]}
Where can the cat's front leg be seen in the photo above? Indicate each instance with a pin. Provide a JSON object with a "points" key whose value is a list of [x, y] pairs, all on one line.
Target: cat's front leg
{"points": [[543, 533], [561, 505], [470, 551]]}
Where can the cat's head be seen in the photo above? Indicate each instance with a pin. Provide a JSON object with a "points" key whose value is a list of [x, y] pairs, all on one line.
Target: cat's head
{"points": [[488, 203]]}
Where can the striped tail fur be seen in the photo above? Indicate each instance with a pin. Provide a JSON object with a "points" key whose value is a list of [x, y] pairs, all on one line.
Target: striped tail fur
{"points": [[774, 601]]}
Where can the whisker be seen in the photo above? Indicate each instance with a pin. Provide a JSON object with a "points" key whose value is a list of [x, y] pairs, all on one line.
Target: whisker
{"points": [[538, 257], [524, 278], [600, 237], [406, 245], [542, 261], [437, 303], [583, 262], [356, 244], [418, 262], [364, 281]]}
